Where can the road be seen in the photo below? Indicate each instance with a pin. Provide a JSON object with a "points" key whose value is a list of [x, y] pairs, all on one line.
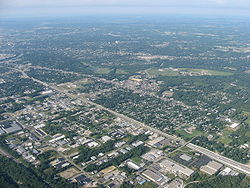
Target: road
{"points": [[184, 185], [228, 162], [224, 160], [135, 121]]}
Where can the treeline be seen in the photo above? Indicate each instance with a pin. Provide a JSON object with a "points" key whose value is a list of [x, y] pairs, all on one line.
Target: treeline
{"points": [[47, 58], [192, 89], [17, 175], [53, 76], [234, 153], [241, 135], [6, 148], [223, 182]]}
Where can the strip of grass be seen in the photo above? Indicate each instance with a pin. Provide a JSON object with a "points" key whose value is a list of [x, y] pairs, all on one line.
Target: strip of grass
{"points": [[185, 135], [163, 72], [170, 72], [209, 72], [103, 70], [121, 71]]}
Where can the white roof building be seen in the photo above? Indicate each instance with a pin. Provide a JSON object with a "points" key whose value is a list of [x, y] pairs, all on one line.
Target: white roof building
{"points": [[133, 165], [105, 138], [176, 168], [211, 168]]}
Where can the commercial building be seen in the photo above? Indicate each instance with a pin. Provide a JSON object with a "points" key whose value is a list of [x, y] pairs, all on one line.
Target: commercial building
{"points": [[156, 177], [1, 131], [133, 165], [57, 137], [228, 172], [10, 126], [185, 157], [175, 168], [105, 138], [155, 141], [153, 155], [211, 168]]}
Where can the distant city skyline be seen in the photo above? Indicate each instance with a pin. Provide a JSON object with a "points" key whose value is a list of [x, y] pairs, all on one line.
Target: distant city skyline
{"points": [[20, 8]]}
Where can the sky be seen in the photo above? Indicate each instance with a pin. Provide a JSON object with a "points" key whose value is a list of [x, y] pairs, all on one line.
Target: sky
{"points": [[22, 8]]}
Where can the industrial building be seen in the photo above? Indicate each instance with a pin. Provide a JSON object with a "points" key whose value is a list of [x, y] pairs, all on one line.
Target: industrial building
{"points": [[10, 126], [133, 165], [175, 168], [211, 168], [156, 177]]}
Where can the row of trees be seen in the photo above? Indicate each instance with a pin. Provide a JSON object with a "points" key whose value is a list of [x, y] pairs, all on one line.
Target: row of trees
{"points": [[223, 181], [235, 153]]}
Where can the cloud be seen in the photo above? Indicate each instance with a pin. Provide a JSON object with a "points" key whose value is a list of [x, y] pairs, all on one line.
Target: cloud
{"points": [[45, 3], [125, 6], [220, 1]]}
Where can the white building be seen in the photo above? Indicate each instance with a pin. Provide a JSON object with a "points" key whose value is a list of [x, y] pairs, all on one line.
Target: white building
{"points": [[176, 168]]}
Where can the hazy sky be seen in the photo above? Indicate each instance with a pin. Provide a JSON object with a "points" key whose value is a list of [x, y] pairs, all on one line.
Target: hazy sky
{"points": [[68, 7]]}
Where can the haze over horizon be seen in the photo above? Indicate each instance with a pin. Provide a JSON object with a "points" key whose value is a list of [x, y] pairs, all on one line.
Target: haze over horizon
{"points": [[40, 8]]}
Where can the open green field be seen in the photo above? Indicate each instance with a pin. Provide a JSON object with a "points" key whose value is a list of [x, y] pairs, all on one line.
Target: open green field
{"points": [[248, 121], [136, 160], [247, 114], [103, 70], [163, 72], [225, 139], [177, 72], [207, 72], [146, 185], [186, 135], [120, 71]]}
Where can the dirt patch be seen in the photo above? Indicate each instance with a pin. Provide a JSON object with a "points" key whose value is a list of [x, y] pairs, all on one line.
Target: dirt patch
{"points": [[109, 169], [69, 173]]}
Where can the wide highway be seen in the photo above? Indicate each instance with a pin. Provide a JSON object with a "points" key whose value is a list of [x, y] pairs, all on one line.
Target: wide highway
{"points": [[224, 160]]}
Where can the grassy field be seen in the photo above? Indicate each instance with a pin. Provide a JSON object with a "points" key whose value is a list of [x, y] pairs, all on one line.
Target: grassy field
{"points": [[120, 71], [208, 72], [247, 114], [146, 185], [185, 135], [103, 70], [163, 72], [136, 160], [225, 139], [248, 121], [171, 72]]}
